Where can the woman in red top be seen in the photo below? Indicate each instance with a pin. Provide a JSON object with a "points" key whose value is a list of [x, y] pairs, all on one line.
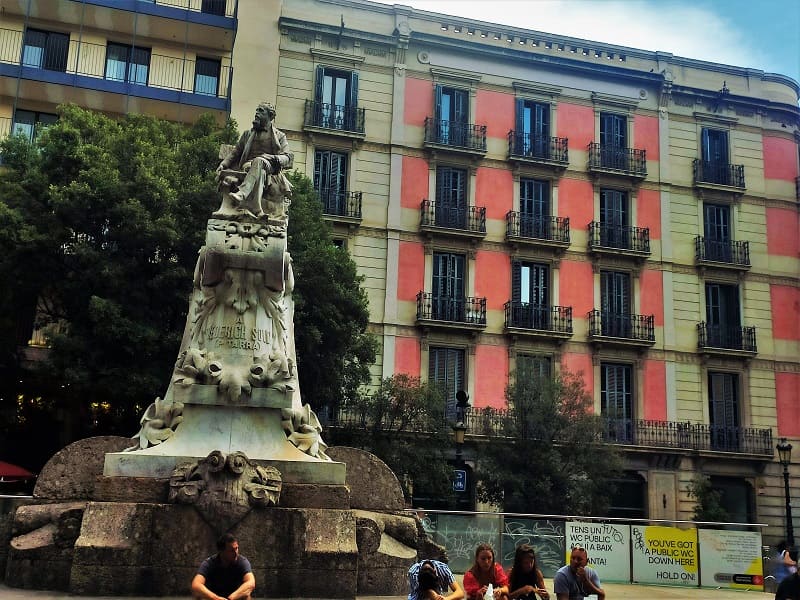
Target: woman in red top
{"points": [[483, 572]]}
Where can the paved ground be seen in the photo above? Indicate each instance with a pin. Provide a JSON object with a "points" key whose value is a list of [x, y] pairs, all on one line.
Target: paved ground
{"points": [[614, 591]]}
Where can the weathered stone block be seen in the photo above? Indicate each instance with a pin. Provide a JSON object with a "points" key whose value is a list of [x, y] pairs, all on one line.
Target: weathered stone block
{"points": [[302, 495], [131, 489], [373, 485]]}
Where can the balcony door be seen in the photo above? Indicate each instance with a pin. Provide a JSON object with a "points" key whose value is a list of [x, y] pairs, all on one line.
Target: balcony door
{"points": [[723, 411], [717, 230], [616, 401], [451, 198], [715, 146], [452, 115], [534, 209], [448, 287], [723, 320], [45, 50], [615, 303], [446, 371], [533, 128], [530, 295], [614, 219], [336, 95], [330, 180], [613, 130]]}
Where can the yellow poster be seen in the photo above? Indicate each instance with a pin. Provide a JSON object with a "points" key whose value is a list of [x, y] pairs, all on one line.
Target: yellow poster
{"points": [[665, 555]]}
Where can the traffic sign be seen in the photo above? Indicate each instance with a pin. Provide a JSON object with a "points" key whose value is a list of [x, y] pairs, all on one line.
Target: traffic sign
{"points": [[459, 480]]}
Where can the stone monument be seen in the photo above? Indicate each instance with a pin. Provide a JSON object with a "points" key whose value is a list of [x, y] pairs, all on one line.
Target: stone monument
{"points": [[230, 446]]}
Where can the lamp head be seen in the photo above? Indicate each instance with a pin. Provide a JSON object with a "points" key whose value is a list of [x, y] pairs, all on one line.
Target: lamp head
{"points": [[784, 452]]}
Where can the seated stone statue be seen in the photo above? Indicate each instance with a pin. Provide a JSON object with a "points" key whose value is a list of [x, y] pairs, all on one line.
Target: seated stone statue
{"points": [[251, 176]]}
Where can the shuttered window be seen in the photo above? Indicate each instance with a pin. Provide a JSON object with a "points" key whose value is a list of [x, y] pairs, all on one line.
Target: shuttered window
{"points": [[723, 410], [715, 145], [613, 130], [446, 370]]}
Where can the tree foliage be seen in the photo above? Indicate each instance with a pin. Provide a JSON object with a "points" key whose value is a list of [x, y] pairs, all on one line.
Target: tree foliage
{"points": [[402, 422], [708, 501], [554, 461], [101, 221]]}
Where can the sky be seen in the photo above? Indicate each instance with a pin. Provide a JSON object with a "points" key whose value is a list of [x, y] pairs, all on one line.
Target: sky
{"points": [[761, 34]]}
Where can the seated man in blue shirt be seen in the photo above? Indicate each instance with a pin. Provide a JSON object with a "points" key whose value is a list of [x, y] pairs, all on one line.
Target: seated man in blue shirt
{"points": [[430, 580], [225, 576], [575, 581]]}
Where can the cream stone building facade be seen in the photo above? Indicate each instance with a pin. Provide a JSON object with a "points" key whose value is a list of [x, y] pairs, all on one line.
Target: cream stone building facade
{"points": [[508, 195]]}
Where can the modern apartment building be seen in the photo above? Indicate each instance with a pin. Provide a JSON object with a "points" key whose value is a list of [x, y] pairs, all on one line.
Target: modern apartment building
{"points": [[509, 196], [168, 58]]}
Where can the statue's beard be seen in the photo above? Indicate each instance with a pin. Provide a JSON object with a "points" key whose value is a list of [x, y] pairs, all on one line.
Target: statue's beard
{"points": [[260, 124]]}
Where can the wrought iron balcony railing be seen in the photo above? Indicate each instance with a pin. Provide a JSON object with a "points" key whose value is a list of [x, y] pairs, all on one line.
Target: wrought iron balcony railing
{"points": [[619, 237], [163, 72], [336, 117], [621, 325], [722, 251], [456, 134], [447, 215], [550, 150], [626, 161], [726, 337], [340, 204], [524, 315], [718, 173], [694, 436], [552, 229], [507, 423], [464, 309]]}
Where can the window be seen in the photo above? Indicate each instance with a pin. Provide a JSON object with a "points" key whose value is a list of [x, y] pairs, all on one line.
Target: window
{"points": [[330, 181], [717, 231], [615, 304], [337, 97], [534, 208], [616, 401], [723, 410], [206, 76], [45, 50], [715, 146], [723, 324], [614, 219], [629, 500], [451, 198], [446, 371], [213, 7], [736, 498], [451, 115], [533, 127], [534, 365], [448, 302], [127, 63], [30, 124], [530, 295], [613, 141]]}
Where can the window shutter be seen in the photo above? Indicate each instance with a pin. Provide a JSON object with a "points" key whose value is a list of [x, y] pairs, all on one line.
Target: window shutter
{"points": [[353, 101], [516, 281], [543, 120], [520, 123], [438, 103], [319, 82]]}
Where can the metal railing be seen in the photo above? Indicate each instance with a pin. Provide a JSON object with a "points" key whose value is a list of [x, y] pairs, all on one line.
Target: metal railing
{"points": [[88, 59], [690, 436], [334, 116], [445, 214], [622, 237], [621, 325], [222, 8], [547, 149], [455, 133], [524, 315], [507, 423], [722, 251], [553, 229], [718, 173], [726, 337], [464, 309], [340, 204], [5, 127], [629, 161]]}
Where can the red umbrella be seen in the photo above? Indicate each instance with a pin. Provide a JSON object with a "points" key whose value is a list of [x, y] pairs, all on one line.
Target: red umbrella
{"points": [[9, 472]]}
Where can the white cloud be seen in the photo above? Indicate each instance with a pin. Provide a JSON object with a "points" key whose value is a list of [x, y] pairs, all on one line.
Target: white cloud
{"points": [[676, 27]]}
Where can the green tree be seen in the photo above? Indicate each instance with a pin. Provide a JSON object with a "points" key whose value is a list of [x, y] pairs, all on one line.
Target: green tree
{"points": [[552, 459], [101, 221], [402, 423], [708, 501]]}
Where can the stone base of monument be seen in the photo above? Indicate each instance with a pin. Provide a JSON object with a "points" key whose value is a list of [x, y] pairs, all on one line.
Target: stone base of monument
{"points": [[90, 534]]}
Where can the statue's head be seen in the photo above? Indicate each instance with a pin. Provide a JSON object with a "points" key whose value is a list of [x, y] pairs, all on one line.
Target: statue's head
{"points": [[265, 113]]}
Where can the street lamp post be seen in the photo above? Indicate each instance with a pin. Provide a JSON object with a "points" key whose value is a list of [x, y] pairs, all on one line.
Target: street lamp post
{"points": [[460, 427], [785, 457]]}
